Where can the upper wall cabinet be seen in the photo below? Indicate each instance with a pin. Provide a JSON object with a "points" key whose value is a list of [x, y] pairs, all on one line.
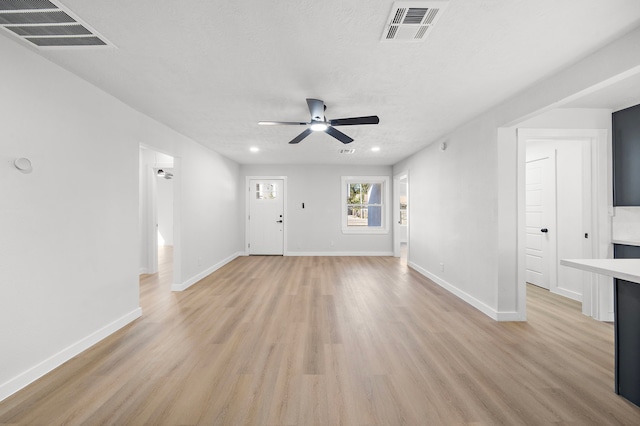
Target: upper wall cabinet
{"points": [[626, 157]]}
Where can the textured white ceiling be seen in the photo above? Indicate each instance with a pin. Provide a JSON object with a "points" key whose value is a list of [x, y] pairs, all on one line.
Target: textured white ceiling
{"points": [[212, 69]]}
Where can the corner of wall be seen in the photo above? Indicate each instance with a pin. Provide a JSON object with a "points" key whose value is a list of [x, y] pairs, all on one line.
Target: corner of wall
{"points": [[193, 280], [37, 371]]}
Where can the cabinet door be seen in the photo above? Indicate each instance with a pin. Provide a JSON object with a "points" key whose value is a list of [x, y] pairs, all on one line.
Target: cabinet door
{"points": [[626, 157], [627, 330]]}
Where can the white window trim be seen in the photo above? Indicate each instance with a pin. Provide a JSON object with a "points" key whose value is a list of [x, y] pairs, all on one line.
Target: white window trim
{"points": [[384, 229]]}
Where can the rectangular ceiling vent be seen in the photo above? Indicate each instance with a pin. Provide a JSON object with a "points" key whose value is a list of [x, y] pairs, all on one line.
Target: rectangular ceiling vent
{"points": [[48, 25], [411, 21], [347, 151]]}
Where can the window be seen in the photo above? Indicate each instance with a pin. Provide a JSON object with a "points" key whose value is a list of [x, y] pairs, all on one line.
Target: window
{"points": [[266, 191], [364, 204]]}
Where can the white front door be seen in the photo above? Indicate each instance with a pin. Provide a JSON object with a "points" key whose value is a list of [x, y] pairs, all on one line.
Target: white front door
{"points": [[266, 216], [540, 219]]}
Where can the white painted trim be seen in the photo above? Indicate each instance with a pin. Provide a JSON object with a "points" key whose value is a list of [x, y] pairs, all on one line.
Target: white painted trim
{"points": [[478, 304], [247, 208], [191, 281], [142, 271], [340, 253], [34, 373], [567, 293], [509, 316]]}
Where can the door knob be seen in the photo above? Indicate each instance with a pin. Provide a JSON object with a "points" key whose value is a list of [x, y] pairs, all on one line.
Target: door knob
{"points": [[279, 221], [545, 230]]}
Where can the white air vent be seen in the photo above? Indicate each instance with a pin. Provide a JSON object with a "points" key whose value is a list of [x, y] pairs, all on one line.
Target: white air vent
{"points": [[347, 151], [412, 20], [47, 24]]}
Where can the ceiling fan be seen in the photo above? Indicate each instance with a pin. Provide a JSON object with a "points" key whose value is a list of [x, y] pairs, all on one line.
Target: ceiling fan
{"points": [[319, 123]]}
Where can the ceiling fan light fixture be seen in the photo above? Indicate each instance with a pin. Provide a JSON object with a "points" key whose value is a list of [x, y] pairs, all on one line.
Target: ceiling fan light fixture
{"points": [[319, 127]]}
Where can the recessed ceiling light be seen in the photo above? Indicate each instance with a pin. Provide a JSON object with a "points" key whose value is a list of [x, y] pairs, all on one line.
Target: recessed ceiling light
{"points": [[254, 149], [375, 149]]}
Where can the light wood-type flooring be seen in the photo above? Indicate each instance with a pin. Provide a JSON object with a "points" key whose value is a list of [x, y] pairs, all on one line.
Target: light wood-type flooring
{"points": [[330, 341]]}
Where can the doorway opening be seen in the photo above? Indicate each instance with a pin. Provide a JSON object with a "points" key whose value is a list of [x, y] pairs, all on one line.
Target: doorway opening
{"points": [[401, 217], [559, 211], [157, 205]]}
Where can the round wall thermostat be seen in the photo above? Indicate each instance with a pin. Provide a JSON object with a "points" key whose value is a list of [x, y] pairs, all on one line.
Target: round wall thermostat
{"points": [[23, 164]]}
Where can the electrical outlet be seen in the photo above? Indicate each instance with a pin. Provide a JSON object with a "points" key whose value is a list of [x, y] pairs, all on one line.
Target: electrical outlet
{"points": [[199, 261], [441, 267], [331, 243]]}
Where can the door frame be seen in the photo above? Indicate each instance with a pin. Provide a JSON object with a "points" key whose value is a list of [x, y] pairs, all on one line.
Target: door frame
{"points": [[396, 213], [148, 201], [595, 293], [247, 209]]}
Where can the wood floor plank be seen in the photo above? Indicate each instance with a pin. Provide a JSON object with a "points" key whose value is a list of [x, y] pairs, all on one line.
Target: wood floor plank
{"points": [[270, 340]]}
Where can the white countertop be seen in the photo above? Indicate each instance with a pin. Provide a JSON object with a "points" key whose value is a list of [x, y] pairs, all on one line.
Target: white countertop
{"points": [[626, 242], [626, 269]]}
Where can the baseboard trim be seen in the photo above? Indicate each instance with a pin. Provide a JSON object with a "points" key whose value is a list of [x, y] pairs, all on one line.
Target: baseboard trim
{"points": [[478, 304], [567, 293], [339, 253], [34, 373], [191, 281], [608, 317], [143, 271]]}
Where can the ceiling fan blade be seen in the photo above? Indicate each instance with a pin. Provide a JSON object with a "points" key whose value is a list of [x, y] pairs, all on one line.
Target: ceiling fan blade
{"points": [[338, 135], [372, 119], [316, 108], [277, 123], [301, 136]]}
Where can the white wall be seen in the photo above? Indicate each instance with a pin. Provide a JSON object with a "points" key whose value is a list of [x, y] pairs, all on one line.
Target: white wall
{"points": [[464, 201], [207, 217], [69, 256], [625, 226], [207, 189], [69, 230], [317, 229], [452, 214]]}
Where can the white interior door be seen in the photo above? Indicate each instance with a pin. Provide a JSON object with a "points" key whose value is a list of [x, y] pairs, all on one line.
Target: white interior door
{"points": [[266, 216], [540, 220]]}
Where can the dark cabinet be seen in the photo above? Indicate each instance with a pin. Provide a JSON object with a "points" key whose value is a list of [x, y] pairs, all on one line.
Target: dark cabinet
{"points": [[626, 157], [627, 330]]}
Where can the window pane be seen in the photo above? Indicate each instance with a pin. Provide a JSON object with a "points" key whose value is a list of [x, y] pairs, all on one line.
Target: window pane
{"points": [[354, 194], [375, 193], [356, 216], [266, 191], [374, 218]]}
